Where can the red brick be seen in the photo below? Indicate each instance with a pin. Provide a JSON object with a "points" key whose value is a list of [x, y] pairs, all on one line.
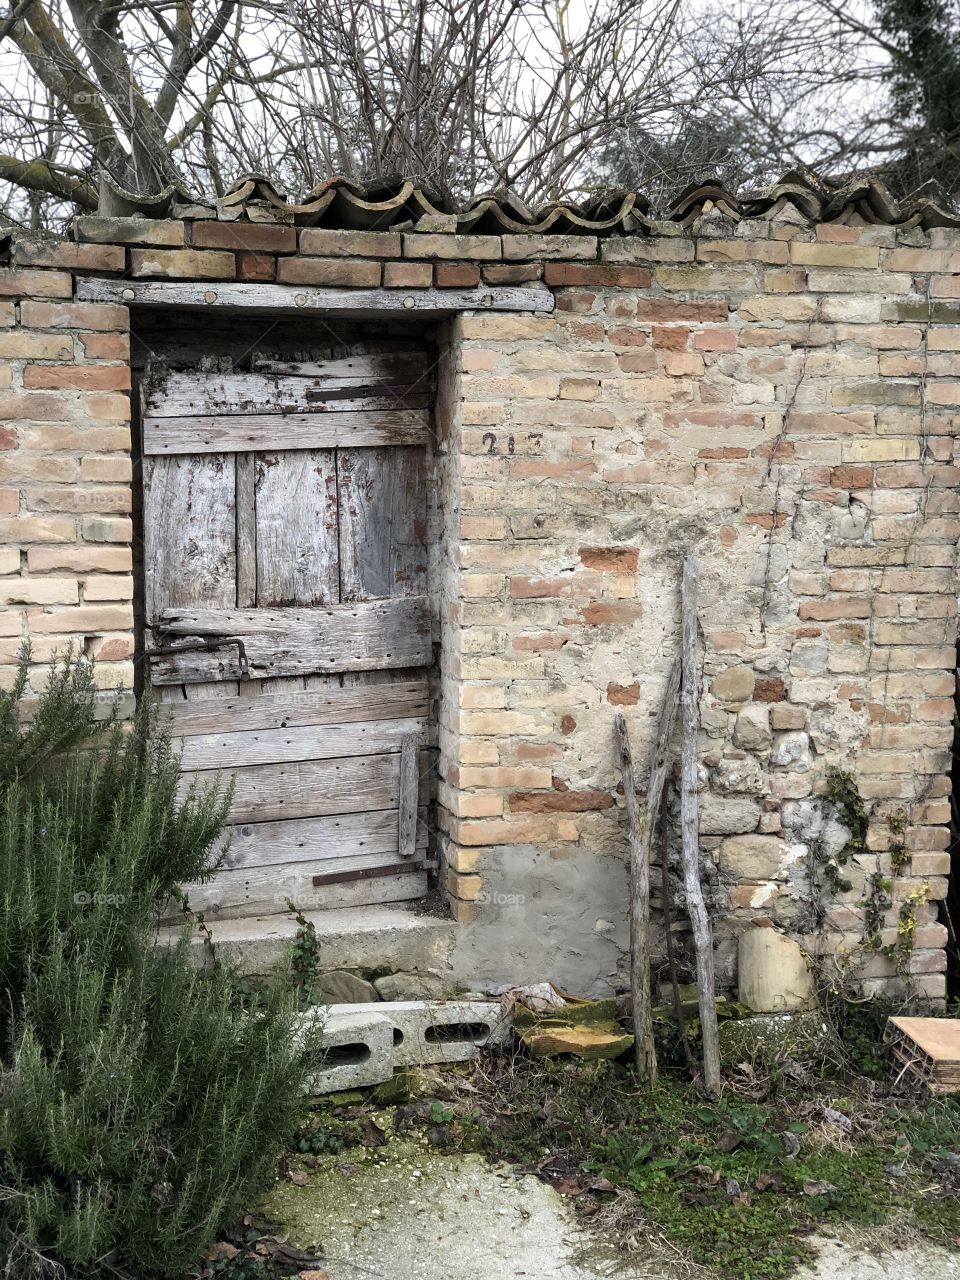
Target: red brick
{"points": [[560, 801], [610, 559], [348, 273], [715, 340], [578, 302], [106, 346], [623, 695], [256, 266], [601, 613], [407, 275], [245, 237], [769, 689], [513, 273], [77, 377], [103, 316], [36, 284], [456, 275], [34, 407], [671, 337], [851, 477], [561, 273], [8, 438]]}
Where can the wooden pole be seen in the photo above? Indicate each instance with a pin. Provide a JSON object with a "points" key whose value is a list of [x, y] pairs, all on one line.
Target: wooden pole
{"points": [[641, 828], [690, 828]]}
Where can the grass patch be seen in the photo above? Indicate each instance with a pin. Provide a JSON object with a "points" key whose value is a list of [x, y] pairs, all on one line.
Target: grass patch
{"points": [[738, 1184]]}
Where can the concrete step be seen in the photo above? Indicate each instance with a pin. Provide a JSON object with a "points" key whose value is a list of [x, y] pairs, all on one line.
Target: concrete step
{"points": [[370, 941]]}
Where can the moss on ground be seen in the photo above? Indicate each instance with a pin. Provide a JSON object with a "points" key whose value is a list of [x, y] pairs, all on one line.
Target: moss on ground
{"points": [[737, 1184]]}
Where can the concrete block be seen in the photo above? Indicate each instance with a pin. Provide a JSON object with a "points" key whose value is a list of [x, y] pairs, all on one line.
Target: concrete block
{"points": [[439, 1031], [358, 1048]]}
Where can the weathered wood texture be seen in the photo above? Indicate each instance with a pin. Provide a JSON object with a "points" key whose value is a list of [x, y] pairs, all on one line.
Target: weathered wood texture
{"points": [[298, 641], [285, 532], [268, 890], [198, 395], [409, 793], [383, 514], [351, 839], [291, 300], [690, 830], [300, 742], [397, 700], [641, 828], [297, 545], [304, 788], [244, 433], [189, 532]]}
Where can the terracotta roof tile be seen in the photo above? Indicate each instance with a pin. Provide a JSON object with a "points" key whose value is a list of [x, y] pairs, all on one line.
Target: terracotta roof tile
{"points": [[341, 204]]}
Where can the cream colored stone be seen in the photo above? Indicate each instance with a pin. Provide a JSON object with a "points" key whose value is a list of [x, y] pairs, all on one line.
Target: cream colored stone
{"points": [[774, 976]]}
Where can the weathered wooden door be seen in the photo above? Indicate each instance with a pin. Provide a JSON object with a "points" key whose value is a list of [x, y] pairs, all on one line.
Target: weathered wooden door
{"points": [[287, 619]]}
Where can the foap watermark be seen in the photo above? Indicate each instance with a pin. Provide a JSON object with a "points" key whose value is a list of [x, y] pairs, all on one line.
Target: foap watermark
{"points": [[496, 898], [84, 899]]}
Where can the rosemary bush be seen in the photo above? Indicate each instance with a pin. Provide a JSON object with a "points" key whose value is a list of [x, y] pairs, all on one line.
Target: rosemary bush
{"points": [[143, 1100]]}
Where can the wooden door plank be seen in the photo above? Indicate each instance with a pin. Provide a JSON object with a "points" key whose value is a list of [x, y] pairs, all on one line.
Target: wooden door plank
{"points": [[201, 395], [312, 788], [397, 700], [339, 838], [307, 742], [409, 796], [246, 531], [243, 433], [240, 894], [189, 533], [296, 516], [298, 641], [383, 523], [365, 368]]}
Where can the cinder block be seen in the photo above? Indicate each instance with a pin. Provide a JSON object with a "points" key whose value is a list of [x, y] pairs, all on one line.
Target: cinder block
{"points": [[426, 1031], [358, 1048]]}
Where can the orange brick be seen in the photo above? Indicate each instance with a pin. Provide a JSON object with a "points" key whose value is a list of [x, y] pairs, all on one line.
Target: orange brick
{"points": [[35, 284], [77, 377], [104, 316], [347, 273]]}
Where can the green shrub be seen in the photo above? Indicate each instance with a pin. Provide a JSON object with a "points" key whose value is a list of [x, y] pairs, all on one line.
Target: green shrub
{"points": [[143, 1100]]}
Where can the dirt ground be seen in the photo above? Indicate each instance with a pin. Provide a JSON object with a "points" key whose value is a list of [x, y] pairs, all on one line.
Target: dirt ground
{"points": [[404, 1212]]}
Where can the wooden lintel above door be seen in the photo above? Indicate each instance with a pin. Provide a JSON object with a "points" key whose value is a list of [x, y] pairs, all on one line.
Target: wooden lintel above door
{"points": [[293, 300]]}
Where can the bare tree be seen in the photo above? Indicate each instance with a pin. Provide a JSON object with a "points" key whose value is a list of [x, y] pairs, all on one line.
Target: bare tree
{"points": [[550, 98], [463, 95]]}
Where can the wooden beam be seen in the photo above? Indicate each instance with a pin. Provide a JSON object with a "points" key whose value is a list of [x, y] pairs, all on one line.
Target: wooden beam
{"points": [[291, 300]]}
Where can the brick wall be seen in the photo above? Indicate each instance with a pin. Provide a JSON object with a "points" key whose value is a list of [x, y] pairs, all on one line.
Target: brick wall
{"points": [[780, 398]]}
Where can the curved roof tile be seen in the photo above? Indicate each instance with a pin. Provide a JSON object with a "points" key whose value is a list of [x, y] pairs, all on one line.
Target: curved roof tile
{"points": [[342, 204]]}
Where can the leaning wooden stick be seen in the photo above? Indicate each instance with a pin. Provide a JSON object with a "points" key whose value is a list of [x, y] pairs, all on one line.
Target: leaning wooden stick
{"points": [[641, 828], [690, 829]]}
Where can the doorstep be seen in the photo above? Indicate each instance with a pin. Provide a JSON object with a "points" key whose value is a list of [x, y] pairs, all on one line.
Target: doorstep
{"points": [[394, 938]]}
